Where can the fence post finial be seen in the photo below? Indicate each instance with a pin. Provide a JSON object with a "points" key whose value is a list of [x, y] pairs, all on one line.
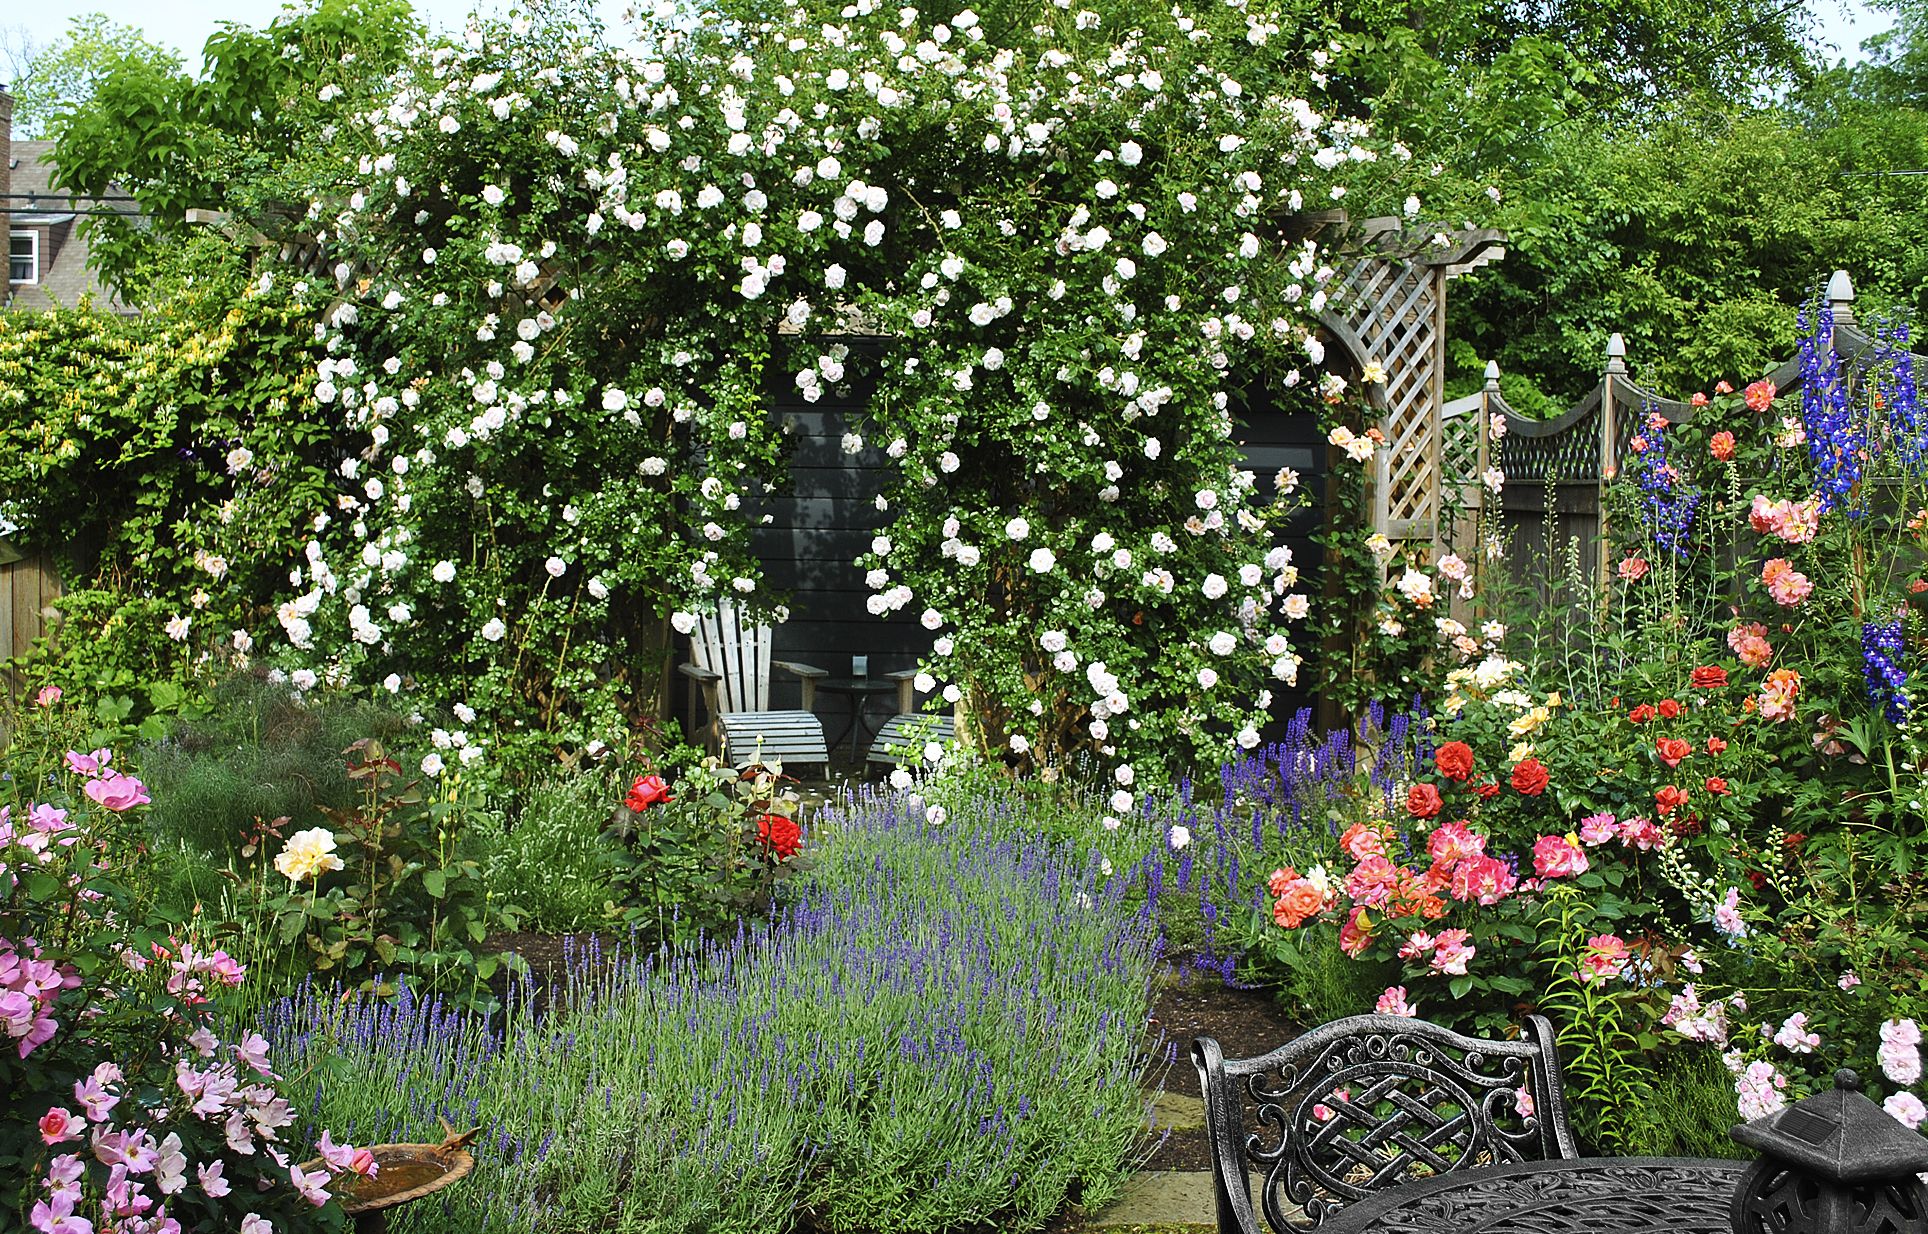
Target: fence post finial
{"points": [[1841, 297], [1492, 375], [1616, 354]]}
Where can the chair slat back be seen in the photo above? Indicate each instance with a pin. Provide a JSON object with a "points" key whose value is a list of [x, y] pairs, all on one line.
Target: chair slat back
{"points": [[740, 653]]}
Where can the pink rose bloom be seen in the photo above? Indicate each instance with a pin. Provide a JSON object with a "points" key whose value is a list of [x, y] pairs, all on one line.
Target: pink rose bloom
{"points": [[88, 764], [1727, 915], [1749, 642], [1451, 952], [1523, 1102], [1417, 944], [1907, 1110], [48, 696], [1373, 882], [1784, 583], [1452, 843], [1597, 829], [117, 792], [1484, 880], [1606, 957], [1393, 1002], [57, 1125], [1557, 857], [1794, 1035], [1640, 833]]}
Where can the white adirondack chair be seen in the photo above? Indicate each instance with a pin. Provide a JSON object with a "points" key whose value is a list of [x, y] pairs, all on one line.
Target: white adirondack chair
{"points": [[902, 738], [733, 665]]}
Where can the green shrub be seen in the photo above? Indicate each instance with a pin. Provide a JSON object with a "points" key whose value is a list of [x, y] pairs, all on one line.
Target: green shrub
{"points": [[260, 753], [554, 864]]}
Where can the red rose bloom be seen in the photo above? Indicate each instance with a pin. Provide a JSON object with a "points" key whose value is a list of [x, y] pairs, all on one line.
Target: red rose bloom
{"points": [[1488, 791], [646, 792], [1529, 778], [1640, 714], [1667, 799], [1672, 750], [1717, 786], [1422, 801], [1757, 878], [1715, 745], [1708, 677], [1669, 709], [1454, 760], [780, 835]]}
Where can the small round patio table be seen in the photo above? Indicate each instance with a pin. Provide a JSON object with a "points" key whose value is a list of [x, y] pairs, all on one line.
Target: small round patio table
{"points": [[1588, 1195], [859, 690]]}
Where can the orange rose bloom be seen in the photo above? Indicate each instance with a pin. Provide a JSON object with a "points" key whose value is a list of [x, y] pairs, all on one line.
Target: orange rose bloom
{"points": [[1721, 446]]}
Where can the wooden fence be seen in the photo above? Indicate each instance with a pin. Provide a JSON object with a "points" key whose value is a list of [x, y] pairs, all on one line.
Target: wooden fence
{"points": [[1557, 471], [28, 586]]}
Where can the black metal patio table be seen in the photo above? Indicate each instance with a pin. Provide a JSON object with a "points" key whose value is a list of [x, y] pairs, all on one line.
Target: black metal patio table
{"points": [[1586, 1195], [859, 690]]}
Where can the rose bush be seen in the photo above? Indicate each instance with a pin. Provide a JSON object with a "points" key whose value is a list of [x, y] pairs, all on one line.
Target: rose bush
{"points": [[124, 1101]]}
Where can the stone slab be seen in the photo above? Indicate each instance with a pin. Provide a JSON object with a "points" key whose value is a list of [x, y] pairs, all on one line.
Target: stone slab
{"points": [[1165, 1198]]}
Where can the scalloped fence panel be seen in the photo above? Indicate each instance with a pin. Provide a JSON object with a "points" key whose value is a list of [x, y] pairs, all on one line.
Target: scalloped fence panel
{"points": [[1556, 471]]}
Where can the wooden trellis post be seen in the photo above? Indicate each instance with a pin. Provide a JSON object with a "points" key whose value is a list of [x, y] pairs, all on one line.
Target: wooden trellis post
{"points": [[1609, 443]]}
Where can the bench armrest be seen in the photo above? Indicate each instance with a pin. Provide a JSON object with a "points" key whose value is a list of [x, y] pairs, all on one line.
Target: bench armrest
{"points": [[807, 671], [700, 673]]}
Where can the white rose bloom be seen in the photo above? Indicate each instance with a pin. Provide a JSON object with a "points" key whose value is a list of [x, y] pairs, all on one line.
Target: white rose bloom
{"points": [[932, 619], [1248, 737], [900, 779], [1124, 775], [1180, 837], [614, 399], [1042, 560], [1207, 678], [444, 572], [683, 623], [1121, 802], [494, 630], [1017, 529], [1019, 743], [1296, 607], [1223, 644], [1054, 641], [1214, 586], [493, 195], [432, 764]]}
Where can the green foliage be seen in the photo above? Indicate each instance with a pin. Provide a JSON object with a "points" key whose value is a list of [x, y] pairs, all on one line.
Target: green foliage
{"points": [[1599, 1026], [555, 865], [229, 139], [1691, 1108], [392, 883], [63, 75], [172, 459]]}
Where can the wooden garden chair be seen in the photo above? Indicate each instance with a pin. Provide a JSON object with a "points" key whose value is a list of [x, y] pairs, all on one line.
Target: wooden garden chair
{"points": [[732, 663], [1369, 1102], [901, 739]]}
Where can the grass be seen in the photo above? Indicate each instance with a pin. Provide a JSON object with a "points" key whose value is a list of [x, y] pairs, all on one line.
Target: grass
{"points": [[944, 1028]]}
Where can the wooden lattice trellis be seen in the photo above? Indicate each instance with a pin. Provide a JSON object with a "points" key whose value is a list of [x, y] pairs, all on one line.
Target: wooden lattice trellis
{"points": [[1392, 311]]}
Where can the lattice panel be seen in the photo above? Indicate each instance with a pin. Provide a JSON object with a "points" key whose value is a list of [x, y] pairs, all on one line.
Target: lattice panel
{"points": [[1459, 451], [1572, 453], [1391, 306]]}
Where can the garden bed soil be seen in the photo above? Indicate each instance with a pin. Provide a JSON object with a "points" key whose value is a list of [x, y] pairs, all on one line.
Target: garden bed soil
{"points": [[1246, 1022]]}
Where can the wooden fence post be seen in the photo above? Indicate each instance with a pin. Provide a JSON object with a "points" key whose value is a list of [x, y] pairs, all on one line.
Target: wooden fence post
{"points": [[1609, 437]]}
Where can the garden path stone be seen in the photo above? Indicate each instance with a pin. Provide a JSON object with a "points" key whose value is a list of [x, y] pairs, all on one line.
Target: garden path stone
{"points": [[1165, 1198], [1177, 1111]]}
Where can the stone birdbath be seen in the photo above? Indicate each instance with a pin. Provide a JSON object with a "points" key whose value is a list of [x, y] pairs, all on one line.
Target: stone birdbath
{"points": [[404, 1172]]}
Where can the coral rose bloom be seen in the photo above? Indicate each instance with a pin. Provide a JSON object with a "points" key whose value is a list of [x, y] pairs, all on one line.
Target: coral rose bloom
{"points": [[1749, 642], [1760, 395], [1529, 778], [1300, 901], [1722, 446], [1708, 677], [1632, 569], [1454, 760], [1422, 801], [1672, 750]]}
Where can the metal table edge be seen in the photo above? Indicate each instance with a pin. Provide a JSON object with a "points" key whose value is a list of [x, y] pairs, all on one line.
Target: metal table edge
{"points": [[1360, 1216]]}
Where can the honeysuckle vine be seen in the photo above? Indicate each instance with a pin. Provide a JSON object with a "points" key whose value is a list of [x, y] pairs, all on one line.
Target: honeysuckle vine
{"points": [[565, 277]]}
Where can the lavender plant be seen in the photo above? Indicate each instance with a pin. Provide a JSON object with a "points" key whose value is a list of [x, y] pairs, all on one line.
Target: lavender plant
{"points": [[937, 1029]]}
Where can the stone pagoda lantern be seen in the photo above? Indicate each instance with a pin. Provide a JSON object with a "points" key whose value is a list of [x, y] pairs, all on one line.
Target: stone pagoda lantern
{"points": [[1832, 1163]]}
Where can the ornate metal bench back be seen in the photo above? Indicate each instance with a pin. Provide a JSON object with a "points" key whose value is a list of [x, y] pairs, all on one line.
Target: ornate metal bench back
{"points": [[1369, 1102]]}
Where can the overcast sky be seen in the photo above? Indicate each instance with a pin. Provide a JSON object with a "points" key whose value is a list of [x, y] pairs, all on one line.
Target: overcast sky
{"points": [[187, 23]]}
